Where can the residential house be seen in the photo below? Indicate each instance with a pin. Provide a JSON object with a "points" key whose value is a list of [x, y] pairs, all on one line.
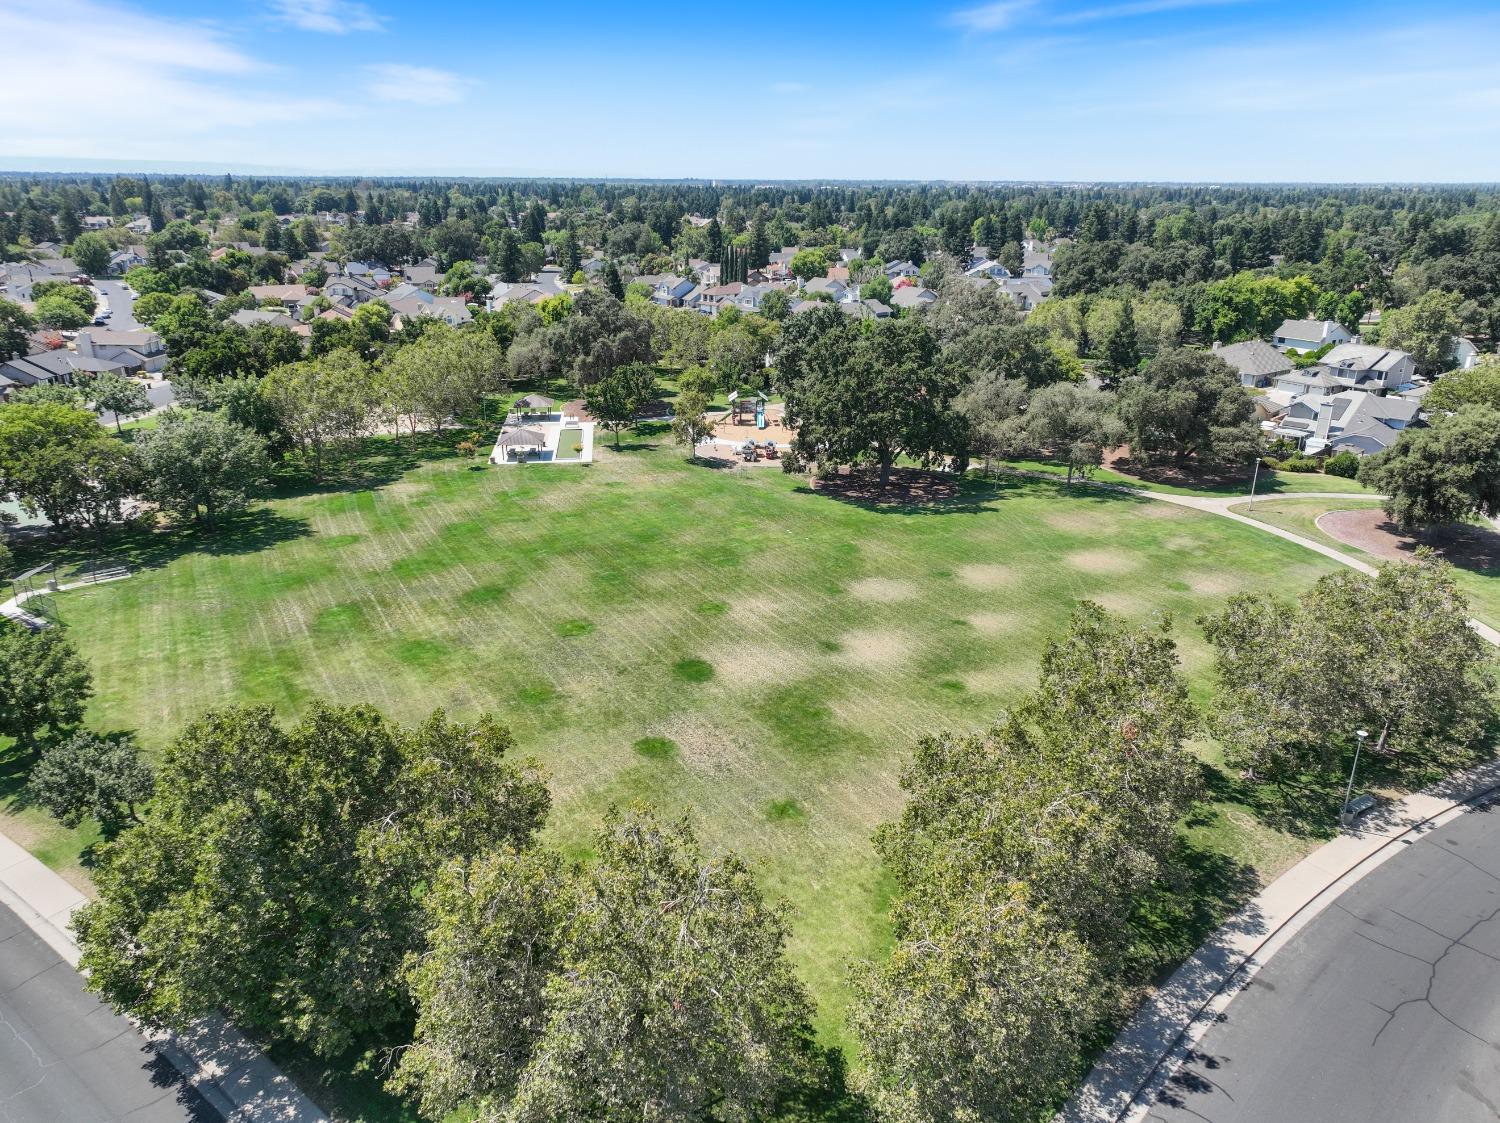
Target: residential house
{"points": [[97, 222], [141, 226], [913, 296], [869, 309], [425, 277], [249, 317], [351, 290], [836, 289], [987, 267], [377, 275], [1363, 366], [291, 297], [506, 292], [37, 369], [17, 277], [409, 302], [1256, 362], [1036, 260], [895, 270], [1465, 355], [131, 257], [1309, 335], [672, 291], [140, 350], [1314, 382], [1025, 292], [1349, 420]]}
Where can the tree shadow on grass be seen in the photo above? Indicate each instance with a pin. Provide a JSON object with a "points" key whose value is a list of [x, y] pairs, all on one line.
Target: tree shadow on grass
{"points": [[141, 546], [374, 463], [916, 491]]}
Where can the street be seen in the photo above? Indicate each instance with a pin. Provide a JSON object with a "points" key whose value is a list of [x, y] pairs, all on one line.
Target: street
{"points": [[122, 318], [121, 304], [1384, 1009], [63, 1056]]}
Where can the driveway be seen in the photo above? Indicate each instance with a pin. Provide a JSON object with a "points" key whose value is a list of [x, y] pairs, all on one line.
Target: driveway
{"points": [[64, 1056], [1384, 1009]]}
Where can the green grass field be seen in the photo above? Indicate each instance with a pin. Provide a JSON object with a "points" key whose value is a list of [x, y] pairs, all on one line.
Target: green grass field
{"points": [[1266, 482], [725, 641]]}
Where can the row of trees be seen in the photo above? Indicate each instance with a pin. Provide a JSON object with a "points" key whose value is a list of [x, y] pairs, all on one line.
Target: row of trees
{"points": [[968, 378]]}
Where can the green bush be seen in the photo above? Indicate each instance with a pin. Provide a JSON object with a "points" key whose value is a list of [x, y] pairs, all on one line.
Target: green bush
{"points": [[1344, 464], [1299, 462]]}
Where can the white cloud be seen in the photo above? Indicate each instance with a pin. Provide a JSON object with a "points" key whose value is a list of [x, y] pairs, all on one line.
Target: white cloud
{"points": [[165, 88], [990, 17], [334, 17], [1134, 8], [420, 85]]}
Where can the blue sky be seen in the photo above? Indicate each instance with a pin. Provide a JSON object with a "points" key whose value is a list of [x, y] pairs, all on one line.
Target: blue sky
{"points": [[1203, 90]]}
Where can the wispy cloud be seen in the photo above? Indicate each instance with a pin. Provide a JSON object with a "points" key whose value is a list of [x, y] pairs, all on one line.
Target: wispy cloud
{"points": [[1133, 8], [184, 84], [990, 17], [332, 17], [420, 85]]}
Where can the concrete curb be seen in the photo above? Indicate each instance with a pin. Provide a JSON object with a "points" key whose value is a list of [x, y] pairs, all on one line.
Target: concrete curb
{"points": [[234, 1076], [1124, 1083]]}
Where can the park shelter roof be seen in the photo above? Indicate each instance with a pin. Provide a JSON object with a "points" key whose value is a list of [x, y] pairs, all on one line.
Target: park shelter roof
{"points": [[521, 438]]}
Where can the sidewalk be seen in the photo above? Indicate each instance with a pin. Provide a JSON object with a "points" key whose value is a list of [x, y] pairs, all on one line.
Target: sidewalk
{"points": [[215, 1058], [1125, 1081]]}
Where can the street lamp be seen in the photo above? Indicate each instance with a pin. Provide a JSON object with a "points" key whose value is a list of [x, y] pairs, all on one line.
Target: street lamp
{"points": [[1254, 479], [1361, 736]]}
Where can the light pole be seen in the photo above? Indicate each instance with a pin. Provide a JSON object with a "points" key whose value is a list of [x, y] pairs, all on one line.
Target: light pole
{"points": [[1254, 477], [1360, 736]]}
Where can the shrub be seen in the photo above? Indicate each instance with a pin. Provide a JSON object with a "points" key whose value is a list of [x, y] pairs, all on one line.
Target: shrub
{"points": [[1344, 464]]}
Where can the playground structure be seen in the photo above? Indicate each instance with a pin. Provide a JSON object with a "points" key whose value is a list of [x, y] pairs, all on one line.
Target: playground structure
{"points": [[746, 406]]}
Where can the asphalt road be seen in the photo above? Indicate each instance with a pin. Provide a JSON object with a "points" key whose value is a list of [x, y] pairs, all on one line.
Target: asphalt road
{"points": [[122, 318], [64, 1058], [121, 304], [1384, 1009]]}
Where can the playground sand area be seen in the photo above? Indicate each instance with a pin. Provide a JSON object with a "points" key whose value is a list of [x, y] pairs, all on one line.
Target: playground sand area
{"points": [[775, 430]]}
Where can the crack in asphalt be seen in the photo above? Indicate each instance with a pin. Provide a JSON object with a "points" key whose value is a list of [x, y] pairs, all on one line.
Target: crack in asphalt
{"points": [[1433, 966]]}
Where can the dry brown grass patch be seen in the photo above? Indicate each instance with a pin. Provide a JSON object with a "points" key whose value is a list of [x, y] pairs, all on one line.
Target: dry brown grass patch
{"points": [[883, 590], [1101, 561], [985, 576]]}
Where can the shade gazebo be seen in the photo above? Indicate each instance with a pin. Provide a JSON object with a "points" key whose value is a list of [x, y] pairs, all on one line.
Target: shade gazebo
{"points": [[519, 440]]}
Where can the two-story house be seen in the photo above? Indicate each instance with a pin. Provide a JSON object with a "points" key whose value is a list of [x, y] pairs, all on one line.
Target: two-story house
{"points": [[1256, 362], [1363, 366], [1309, 335]]}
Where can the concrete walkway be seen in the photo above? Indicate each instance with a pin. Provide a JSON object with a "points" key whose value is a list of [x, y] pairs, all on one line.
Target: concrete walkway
{"points": [[1126, 1080], [229, 1072]]}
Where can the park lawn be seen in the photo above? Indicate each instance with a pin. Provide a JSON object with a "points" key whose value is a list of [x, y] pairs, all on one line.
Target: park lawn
{"points": [[1267, 483], [729, 643], [1482, 587]]}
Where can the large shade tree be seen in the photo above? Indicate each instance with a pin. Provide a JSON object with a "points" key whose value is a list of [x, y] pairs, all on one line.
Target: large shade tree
{"points": [[1188, 407], [278, 871]]}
